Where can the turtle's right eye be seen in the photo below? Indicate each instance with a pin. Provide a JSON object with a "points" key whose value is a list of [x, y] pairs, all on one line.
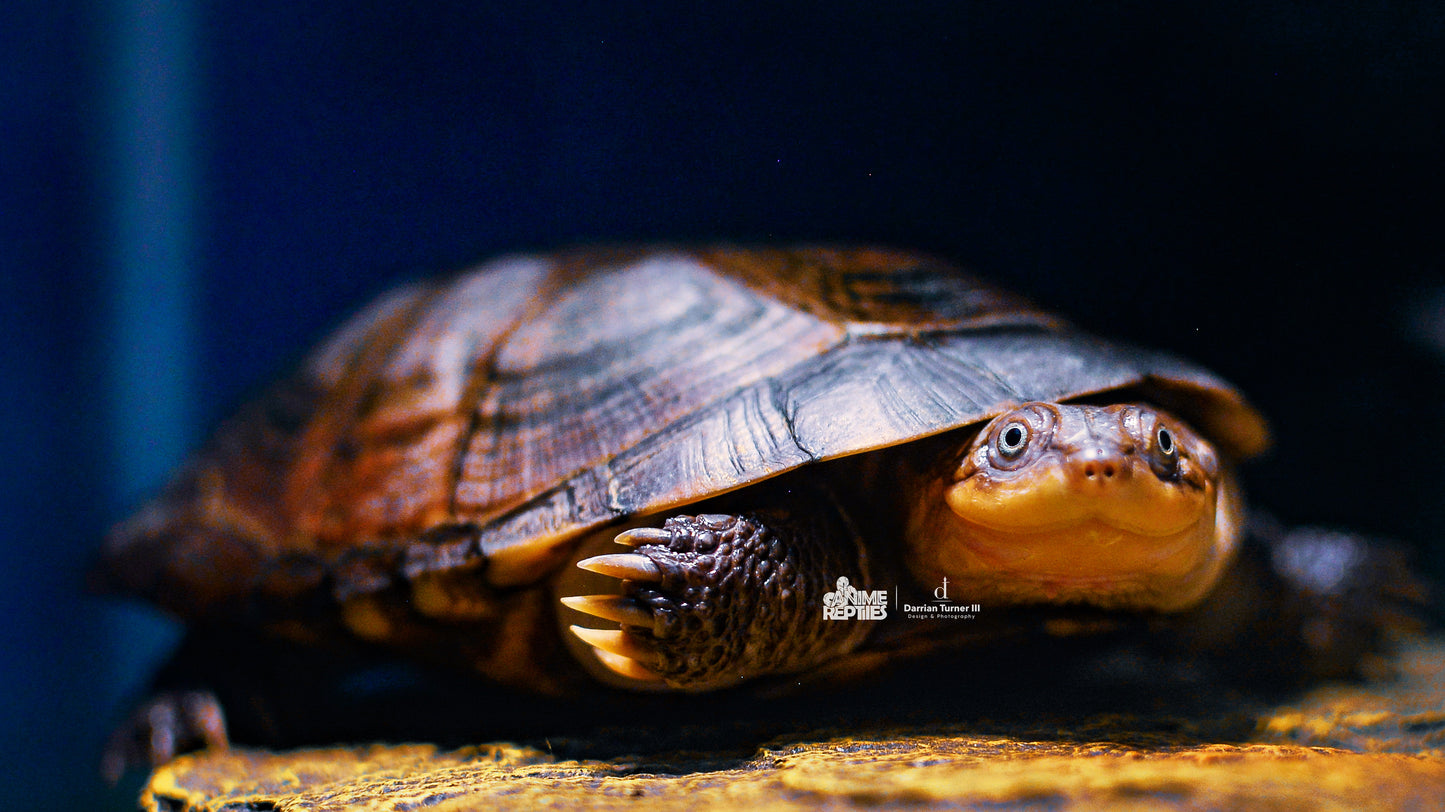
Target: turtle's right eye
{"points": [[1012, 440]]}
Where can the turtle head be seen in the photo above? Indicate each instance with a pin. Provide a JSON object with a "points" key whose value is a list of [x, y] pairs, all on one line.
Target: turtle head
{"points": [[1121, 507]]}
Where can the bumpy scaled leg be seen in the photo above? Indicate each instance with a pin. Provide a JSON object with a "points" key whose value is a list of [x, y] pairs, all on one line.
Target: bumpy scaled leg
{"points": [[164, 727], [712, 599]]}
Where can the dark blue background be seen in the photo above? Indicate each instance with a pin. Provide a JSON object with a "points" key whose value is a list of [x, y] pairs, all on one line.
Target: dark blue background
{"points": [[1259, 186]]}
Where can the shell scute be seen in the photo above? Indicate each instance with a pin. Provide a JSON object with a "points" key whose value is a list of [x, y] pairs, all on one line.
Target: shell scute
{"points": [[390, 465], [613, 358], [875, 291]]}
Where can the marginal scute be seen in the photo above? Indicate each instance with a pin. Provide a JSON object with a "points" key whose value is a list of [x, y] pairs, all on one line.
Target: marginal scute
{"points": [[367, 618], [455, 595], [1213, 406], [364, 569], [522, 546]]}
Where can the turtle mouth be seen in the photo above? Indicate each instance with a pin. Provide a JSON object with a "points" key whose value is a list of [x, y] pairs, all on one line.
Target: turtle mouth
{"points": [[1094, 563], [1052, 500], [1086, 551]]}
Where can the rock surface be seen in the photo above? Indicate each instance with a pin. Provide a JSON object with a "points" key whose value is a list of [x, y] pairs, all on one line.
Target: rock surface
{"points": [[1371, 746]]}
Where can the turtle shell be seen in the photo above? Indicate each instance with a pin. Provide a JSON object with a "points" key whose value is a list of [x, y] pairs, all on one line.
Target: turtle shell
{"points": [[490, 419]]}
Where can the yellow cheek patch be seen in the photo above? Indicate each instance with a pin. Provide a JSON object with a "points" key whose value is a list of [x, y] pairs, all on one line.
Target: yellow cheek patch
{"points": [[1050, 501], [1135, 543]]}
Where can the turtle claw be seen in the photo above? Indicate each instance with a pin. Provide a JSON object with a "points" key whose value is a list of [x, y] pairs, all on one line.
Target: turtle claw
{"points": [[643, 535], [168, 725], [622, 653], [629, 652], [611, 607], [628, 566], [617, 642], [629, 668]]}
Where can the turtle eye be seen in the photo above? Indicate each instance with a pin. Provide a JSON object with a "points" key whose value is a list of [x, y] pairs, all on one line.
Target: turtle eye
{"points": [[1012, 440], [1164, 458], [1164, 441]]}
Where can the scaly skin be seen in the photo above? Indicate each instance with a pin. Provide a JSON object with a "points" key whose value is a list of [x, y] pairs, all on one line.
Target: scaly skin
{"points": [[729, 597], [718, 629]]}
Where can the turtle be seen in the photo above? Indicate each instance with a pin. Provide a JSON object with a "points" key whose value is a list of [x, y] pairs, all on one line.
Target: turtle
{"points": [[680, 470]]}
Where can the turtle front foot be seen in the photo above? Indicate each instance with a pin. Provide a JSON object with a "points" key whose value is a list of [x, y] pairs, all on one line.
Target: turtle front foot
{"points": [[165, 726], [710, 600]]}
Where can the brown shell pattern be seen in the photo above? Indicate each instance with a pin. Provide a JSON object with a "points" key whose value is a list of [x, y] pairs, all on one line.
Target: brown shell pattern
{"points": [[498, 414]]}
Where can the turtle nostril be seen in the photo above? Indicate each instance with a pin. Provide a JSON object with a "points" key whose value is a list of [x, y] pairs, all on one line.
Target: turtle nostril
{"points": [[1100, 467]]}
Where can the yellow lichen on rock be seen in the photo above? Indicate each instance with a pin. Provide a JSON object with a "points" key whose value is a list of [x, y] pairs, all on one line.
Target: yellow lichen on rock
{"points": [[844, 772], [1402, 715], [1105, 776], [1384, 752]]}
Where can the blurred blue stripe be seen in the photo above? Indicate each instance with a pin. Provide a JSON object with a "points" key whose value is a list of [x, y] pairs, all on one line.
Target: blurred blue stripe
{"points": [[154, 269], [154, 258]]}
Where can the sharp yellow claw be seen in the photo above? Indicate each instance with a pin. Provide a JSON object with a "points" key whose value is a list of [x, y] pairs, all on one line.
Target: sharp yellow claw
{"points": [[629, 566], [629, 668], [617, 642], [611, 607], [642, 535]]}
